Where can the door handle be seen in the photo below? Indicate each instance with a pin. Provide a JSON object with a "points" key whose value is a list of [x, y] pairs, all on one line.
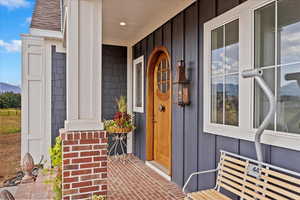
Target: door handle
{"points": [[154, 121], [162, 108]]}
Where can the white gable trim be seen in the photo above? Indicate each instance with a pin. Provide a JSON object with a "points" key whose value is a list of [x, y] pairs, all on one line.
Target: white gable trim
{"points": [[46, 33]]}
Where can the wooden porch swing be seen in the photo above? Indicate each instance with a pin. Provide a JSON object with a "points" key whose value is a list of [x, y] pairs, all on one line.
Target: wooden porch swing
{"points": [[247, 178]]}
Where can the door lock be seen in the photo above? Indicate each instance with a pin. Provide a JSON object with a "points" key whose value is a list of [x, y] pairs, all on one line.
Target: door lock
{"points": [[162, 108]]}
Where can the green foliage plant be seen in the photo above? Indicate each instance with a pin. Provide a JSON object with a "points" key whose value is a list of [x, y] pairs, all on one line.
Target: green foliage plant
{"points": [[56, 161], [97, 197], [122, 121], [10, 100]]}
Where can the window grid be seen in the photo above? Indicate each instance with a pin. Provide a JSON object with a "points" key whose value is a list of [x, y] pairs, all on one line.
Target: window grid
{"points": [[276, 66], [224, 74], [163, 70]]}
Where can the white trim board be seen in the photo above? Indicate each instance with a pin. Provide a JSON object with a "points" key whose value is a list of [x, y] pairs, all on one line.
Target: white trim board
{"points": [[36, 96], [137, 61], [129, 96], [46, 33], [157, 170]]}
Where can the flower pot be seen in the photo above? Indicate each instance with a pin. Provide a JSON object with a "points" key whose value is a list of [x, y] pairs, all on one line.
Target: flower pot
{"points": [[119, 130]]}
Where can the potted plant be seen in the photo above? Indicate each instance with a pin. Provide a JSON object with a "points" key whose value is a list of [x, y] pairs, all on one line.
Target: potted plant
{"points": [[122, 121]]}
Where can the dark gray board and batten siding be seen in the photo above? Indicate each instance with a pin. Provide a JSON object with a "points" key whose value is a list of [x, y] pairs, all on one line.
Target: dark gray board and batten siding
{"points": [[192, 148]]}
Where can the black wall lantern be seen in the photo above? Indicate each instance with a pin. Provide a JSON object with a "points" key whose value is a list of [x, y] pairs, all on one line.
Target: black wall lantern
{"points": [[182, 84]]}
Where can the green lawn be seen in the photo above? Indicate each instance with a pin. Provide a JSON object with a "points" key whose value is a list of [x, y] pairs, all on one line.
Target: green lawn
{"points": [[10, 121]]}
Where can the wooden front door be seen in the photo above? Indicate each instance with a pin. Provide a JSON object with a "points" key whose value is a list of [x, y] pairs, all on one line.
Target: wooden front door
{"points": [[162, 112]]}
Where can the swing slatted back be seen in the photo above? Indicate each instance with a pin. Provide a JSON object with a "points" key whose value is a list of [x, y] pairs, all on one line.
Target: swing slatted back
{"points": [[253, 180]]}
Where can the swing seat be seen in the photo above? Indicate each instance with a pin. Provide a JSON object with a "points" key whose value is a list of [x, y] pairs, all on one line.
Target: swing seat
{"points": [[207, 195], [250, 180]]}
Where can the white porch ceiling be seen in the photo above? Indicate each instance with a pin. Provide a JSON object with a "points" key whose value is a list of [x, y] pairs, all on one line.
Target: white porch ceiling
{"points": [[141, 16]]}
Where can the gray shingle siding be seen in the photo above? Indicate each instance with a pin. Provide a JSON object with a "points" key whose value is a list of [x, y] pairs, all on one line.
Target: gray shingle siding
{"points": [[114, 84], [58, 92], [114, 80]]}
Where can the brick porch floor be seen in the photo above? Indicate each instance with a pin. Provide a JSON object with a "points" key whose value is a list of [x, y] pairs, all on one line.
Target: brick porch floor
{"points": [[130, 180], [133, 180]]}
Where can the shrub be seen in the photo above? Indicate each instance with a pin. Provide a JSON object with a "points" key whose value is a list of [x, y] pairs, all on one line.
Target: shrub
{"points": [[56, 161], [97, 197]]}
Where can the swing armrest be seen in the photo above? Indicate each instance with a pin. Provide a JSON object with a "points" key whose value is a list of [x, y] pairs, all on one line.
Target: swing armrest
{"points": [[197, 173]]}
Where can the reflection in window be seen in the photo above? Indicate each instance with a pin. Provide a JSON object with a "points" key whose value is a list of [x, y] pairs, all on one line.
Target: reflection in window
{"points": [[217, 90], [217, 53], [163, 76], [138, 83], [265, 36], [261, 103], [231, 100], [288, 31], [225, 74], [282, 73], [288, 104]]}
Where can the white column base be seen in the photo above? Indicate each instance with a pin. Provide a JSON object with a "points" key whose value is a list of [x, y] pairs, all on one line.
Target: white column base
{"points": [[83, 125]]}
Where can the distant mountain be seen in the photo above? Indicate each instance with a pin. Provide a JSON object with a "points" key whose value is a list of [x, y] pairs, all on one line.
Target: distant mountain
{"points": [[291, 89], [231, 89], [4, 87]]}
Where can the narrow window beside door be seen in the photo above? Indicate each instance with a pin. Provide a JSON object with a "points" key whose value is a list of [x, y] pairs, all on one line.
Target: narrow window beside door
{"points": [[138, 85]]}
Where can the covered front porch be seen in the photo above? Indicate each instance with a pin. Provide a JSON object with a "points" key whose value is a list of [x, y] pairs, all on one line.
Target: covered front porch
{"points": [[131, 179], [110, 44]]}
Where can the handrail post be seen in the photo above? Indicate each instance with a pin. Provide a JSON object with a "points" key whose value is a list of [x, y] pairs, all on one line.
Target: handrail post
{"points": [[257, 75]]}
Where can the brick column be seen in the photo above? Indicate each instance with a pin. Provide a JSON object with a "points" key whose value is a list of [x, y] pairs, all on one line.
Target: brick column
{"points": [[84, 164]]}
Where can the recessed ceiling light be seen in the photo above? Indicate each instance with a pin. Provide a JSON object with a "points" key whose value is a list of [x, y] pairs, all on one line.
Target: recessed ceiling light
{"points": [[123, 24]]}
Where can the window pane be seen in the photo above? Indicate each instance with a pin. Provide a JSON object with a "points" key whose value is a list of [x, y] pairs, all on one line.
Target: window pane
{"points": [[265, 36], [217, 100], [288, 31], [138, 85], [217, 54], [288, 104], [261, 100], [165, 75], [232, 47], [232, 100]]}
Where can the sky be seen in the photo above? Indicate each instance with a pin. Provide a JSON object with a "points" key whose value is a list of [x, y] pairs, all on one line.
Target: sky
{"points": [[15, 18]]}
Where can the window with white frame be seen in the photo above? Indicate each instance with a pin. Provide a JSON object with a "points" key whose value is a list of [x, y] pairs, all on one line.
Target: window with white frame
{"points": [[262, 34], [138, 85], [277, 53]]}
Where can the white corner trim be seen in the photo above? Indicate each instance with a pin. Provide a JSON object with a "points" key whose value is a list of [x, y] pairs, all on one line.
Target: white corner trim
{"points": [[129, 96], [135, 63], [46, 33], [36, 97], [84, 65], [84, 125]]}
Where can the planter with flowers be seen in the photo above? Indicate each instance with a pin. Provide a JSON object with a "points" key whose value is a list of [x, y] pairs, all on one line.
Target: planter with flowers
{"points": [[118, 127], [122, 121]]}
